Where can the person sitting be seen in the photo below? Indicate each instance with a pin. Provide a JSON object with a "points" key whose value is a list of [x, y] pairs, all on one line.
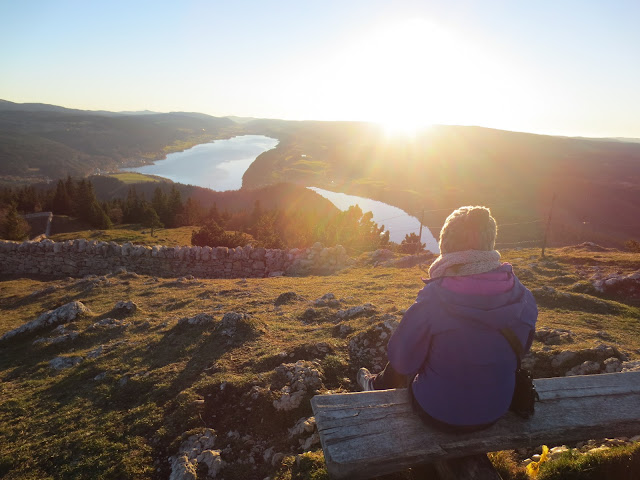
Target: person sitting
{"points": [[448, 348]]}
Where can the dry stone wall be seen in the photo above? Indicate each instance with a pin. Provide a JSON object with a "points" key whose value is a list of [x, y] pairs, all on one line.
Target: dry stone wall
{"points": [[77, 258]]}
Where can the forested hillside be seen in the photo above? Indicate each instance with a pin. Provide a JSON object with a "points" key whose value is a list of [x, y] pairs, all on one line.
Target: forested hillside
{"points": [[41, 142]]}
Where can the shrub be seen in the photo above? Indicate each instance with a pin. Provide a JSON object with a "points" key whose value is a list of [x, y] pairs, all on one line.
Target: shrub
{"points": [[632, 246], [213, 235]]}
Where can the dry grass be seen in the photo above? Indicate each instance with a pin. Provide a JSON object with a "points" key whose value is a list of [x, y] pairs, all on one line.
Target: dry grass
{"points": [[65, 424], [133, 233]]}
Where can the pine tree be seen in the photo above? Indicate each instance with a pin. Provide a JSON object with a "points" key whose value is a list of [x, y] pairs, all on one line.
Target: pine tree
{"points": [[161, 205], [193, 212], [174, 207], [61, 200], [213, 235], [411, 244], [151, 219], [133, 207], [14, 227]]}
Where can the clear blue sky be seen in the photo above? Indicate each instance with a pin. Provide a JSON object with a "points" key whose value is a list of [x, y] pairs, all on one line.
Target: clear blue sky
{"points": [[560, 67]]}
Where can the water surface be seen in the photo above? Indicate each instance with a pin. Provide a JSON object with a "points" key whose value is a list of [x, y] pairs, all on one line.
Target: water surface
{"points": [[397, 221], [218, 165]]}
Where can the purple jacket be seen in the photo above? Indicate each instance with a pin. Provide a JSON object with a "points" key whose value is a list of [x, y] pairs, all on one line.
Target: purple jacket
{"points": [[450, 339]]}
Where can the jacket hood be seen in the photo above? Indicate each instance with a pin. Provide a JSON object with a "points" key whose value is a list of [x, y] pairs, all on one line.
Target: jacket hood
{"points": [[493, 311]]}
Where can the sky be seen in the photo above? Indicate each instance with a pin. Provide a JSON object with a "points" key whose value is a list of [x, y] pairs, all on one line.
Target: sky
{"points": [[554, 67]]}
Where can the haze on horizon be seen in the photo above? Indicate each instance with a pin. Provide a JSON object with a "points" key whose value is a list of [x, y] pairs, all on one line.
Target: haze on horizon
{"points": [[560, 68]]}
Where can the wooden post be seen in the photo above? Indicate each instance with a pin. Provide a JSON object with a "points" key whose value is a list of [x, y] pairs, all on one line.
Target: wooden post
{"points": [[421, 222], [546, 231]]}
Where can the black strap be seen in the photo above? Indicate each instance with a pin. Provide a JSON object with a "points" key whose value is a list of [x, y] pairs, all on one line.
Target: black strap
{"points": [[516, 346]]}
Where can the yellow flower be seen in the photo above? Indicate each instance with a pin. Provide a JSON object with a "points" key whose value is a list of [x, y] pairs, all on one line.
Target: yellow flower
{"points": [[534, 467]]}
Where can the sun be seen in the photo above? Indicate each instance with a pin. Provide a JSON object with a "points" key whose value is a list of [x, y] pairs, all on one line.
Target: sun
{"points": [[405, 69], [404, 126], [409, 74]]}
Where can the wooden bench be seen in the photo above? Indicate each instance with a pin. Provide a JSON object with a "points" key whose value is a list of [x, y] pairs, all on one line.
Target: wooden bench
{"points": [[368, 434]]}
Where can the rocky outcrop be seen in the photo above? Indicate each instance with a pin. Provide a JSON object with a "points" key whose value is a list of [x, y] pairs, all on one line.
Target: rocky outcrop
{"points": [[79, 258], [60, 315], [301, 380], [199, 319], [194, 452], [369, 348], [627, 286]]}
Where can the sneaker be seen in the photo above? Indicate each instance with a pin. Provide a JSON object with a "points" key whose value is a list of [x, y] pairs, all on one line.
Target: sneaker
{"points": [[365, 380]]}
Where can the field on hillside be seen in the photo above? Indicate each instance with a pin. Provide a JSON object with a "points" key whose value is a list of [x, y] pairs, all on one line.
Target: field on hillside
{"points": [[118, 390], [137, 234], [134, 177]]}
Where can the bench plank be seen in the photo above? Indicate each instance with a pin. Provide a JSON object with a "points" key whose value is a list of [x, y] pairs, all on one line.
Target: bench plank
{"points": [[372, 433]]}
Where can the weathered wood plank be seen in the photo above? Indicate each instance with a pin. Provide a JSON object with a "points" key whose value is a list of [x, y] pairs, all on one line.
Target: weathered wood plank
{"points": [[372, 433]]}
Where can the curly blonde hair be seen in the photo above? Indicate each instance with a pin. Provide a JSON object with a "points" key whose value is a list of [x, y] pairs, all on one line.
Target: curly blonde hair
{"points": [[468, 228]]}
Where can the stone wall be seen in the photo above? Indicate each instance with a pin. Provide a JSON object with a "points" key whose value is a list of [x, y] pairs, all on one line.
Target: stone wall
{"points": [[77, 258]]}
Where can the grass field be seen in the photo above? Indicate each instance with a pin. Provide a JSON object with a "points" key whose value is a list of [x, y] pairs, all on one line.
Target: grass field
{"points": [[133, 177], [133, 233], [147, 383]]}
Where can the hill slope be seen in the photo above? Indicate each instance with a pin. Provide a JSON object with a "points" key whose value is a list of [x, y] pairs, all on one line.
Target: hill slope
{"points": [[597, 182], [46, 141], [114, 392]]}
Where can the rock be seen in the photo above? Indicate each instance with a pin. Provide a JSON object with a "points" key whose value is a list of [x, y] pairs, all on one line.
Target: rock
{"points": [[365, 310], [277, 458], [314, 439], [631, 366], [108, 323], [196, 449], [300, 378], [60, 363], [286, 297], [555, 451], [612, 365], [551, 336], [268, 454], [234, 323], [563, 358], [60, 315], [199, 319], [310, 314], [289, 400], [64, 337], [599, 449], [182, 468], [125, 308], [302, 425], [327, 300], [588, 367], [213, 461], [342, 330], [627, 286], [369, 348]]}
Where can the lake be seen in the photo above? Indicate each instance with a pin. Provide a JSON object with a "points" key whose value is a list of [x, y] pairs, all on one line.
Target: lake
{"points": [[397, 221], [218, 165]]}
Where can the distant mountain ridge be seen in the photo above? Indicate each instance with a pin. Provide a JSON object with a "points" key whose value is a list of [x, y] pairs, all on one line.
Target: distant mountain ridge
{"points": [[7, 106], [40, 142]]}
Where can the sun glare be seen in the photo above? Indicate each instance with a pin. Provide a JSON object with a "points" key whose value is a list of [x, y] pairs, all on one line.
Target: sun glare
{"points": [[403, 126], [409, 75]]}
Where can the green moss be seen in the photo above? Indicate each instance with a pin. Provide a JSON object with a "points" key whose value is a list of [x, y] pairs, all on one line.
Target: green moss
{"points": [[617, 463]]}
